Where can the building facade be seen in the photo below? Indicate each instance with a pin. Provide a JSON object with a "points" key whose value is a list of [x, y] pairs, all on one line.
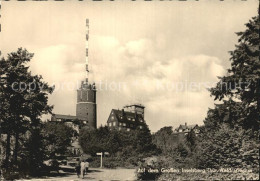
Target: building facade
{"points": [[130, 118]]}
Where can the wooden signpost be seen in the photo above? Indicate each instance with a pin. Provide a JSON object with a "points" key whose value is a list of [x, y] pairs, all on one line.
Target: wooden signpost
{"points": [[100, 153], [101, 159]]}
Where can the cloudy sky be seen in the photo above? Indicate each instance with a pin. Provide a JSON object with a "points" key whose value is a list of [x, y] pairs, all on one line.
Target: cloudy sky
{"points": [[160, 54]]}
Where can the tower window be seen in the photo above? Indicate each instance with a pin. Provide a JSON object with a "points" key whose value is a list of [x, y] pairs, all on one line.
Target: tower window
{"points": [[81, 95]]}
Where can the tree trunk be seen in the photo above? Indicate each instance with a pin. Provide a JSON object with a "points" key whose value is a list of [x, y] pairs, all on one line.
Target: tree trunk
{"points": [[258, 95], [16, 146], [258, 105], [8, 150]]}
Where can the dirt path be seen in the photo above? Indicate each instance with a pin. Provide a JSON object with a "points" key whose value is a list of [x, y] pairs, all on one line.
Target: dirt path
{"points": [[96, 174]]}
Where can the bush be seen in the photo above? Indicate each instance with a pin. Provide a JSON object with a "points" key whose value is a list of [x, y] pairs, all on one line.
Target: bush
{"points": [[11, 175], [228, 148], [150, 168], [209, 176], [125, 148]]}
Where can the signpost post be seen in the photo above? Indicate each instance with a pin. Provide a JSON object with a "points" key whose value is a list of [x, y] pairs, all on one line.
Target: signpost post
{"points": [[101, 159], [100, 153]]}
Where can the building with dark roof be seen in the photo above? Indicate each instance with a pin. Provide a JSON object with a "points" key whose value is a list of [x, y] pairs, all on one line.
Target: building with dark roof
{"points": [[130, 118], [185, 129], [73, 121]]}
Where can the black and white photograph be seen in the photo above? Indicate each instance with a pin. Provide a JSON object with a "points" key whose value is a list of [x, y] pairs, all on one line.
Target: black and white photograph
{"points": [[129, 90]]}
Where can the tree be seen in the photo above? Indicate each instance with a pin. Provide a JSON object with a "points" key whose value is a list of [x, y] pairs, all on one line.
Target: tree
{"points": [[242, 84], [89, 140], [144, 140], [32, 152], [231, 125], [191, 140], [24, 98], [162, 137], [57, 138]]}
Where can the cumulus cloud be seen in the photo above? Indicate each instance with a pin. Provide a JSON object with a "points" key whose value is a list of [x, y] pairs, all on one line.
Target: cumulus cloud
{"points": [[58, 63], [174, 87], [62, 67]]}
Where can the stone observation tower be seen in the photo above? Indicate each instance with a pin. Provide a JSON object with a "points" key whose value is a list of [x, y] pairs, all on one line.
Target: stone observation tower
{"points": [[86, 108], [86, 104], [86, 95]]}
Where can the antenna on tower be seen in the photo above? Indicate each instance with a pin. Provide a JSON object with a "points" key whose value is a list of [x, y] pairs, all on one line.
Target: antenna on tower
{"points": [[87, 37]]}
